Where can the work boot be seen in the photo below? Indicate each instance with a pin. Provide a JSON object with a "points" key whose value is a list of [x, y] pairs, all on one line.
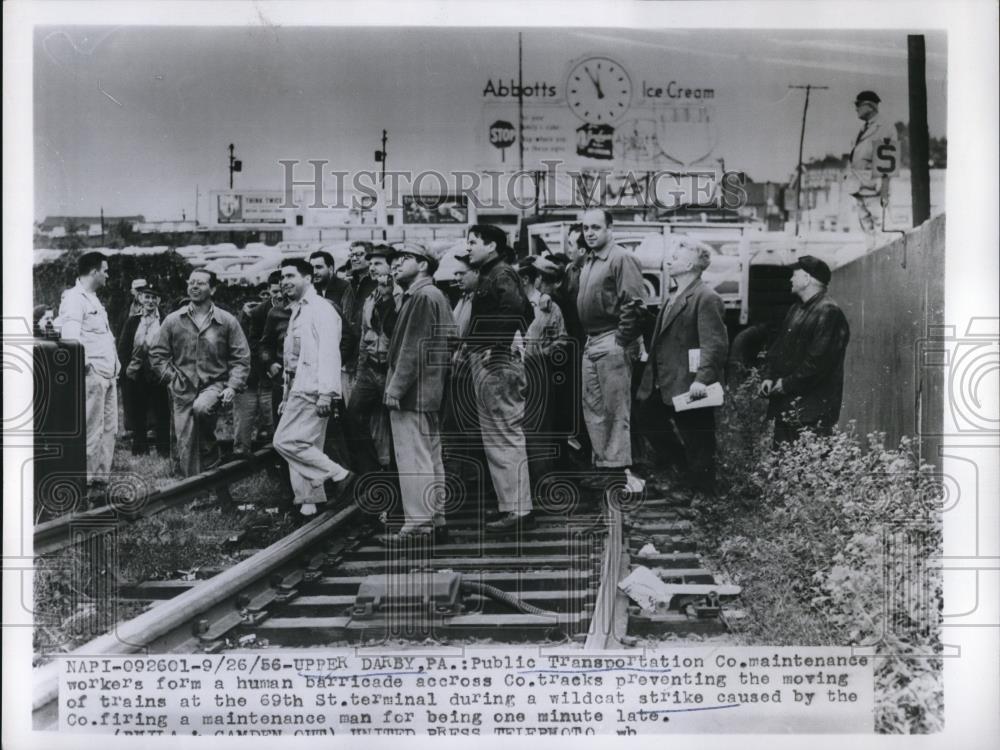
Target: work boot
{"points": [[511, 521]]}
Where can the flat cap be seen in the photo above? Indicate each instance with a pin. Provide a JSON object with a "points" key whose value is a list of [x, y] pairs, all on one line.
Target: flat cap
{"points": [[814, 267]]}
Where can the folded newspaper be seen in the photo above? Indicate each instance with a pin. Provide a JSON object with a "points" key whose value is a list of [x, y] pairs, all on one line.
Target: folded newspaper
{"points": [[713, 397]]}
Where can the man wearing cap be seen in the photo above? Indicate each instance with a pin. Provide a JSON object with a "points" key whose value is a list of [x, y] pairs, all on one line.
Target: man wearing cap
{"points": [[610, 303], [687, 353], [418, 361], [366, 441], [83, 318], [146, 393], [499, 311], [546, 342], [312, 385], [124, 384], [203, 358], [873, 159], [804, 373]]}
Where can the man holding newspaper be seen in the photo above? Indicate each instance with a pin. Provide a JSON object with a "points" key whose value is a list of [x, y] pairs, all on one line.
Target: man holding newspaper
{"points": [[686, 360]]}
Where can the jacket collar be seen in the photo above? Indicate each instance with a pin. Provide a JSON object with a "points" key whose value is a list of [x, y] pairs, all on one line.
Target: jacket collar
{"points": [[418, 285]]}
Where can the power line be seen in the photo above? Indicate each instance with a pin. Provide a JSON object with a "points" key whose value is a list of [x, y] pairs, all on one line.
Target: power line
{"points": [[802, 137]]}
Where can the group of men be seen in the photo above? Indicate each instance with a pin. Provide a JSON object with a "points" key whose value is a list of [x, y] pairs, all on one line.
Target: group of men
{"points": [[532, 359]]}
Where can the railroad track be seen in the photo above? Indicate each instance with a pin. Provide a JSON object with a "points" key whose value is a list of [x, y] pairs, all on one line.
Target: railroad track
{"points": [[75, 528], [332, 583]]}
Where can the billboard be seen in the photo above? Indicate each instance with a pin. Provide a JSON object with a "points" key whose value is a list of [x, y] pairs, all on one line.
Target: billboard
{"points": [[249, 207], [436, 209]]}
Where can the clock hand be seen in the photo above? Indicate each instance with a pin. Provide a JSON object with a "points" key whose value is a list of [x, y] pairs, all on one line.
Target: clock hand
{"points": [[595, 81]]}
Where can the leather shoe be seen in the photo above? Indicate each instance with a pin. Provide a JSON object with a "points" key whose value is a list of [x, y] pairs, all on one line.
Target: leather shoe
{"points": [[341, 489], [440, 535], [510, 521]]}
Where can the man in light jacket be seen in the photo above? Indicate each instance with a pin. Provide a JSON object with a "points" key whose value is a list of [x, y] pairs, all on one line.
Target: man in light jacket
{"points": [[312, 384]]}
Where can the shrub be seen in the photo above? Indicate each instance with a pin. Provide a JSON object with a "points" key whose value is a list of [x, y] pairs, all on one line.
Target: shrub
{"points": [[831, 541]]}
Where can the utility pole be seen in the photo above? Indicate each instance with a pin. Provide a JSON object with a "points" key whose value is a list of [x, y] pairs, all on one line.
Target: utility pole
{"points": [[520, 115], [102, 225], [802, 137], [920, 176], [235, 165], [380, 157]]}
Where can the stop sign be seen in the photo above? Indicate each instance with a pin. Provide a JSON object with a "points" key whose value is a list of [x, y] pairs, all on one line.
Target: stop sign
{"points": [[502, 134]]}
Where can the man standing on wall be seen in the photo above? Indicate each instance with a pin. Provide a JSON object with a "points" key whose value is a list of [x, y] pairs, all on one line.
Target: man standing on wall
{"points": [[804, 374], [83, 318], [873, 159], [610, 303], [202, 356]]}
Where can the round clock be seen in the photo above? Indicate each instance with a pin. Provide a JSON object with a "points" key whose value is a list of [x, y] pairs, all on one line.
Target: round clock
{"points": [[598, 90]]}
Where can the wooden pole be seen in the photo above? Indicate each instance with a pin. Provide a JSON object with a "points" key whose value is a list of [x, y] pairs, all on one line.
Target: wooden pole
{"points": [[920, 177], [802, 137]]}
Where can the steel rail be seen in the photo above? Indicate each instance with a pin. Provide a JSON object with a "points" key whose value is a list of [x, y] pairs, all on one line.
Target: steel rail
{"points": [[132, 636], [59, 533]]}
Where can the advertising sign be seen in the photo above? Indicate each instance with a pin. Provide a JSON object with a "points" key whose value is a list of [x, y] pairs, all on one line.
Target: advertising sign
{"points": [[257, 207], [436, 209]]}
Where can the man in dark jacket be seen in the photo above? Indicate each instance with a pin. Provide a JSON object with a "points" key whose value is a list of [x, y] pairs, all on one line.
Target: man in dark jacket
{"points": [[360, 284], [499, 310], [252, 407], [804, 374], [418, 360], [145, 395], [687, 353]]}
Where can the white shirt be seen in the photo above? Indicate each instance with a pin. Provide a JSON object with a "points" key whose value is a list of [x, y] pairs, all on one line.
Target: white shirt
{"points": [[83, 318], [312, 346]]}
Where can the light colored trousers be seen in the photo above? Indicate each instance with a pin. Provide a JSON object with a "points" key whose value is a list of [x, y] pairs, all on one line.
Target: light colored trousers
{"points": [[195, 417], [251, 412], [607, 399], [298, 439], [102, 424], [416, 438], [500, 395]]}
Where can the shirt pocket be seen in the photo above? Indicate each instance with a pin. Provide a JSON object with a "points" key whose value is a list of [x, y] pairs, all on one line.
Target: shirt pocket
{"points": [[94, 321], [609, 294]]}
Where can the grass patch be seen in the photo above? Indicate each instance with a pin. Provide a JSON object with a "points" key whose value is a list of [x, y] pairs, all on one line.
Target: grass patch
{"points": [[76, 590]]}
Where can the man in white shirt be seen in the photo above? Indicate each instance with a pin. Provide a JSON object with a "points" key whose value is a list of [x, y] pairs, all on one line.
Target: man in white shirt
{"points": [[312, 384], [873, 159], [83, 318]]}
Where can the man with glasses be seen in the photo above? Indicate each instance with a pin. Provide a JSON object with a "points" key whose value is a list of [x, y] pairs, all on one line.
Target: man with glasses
{"points": [[360, 284], [367, 444]]}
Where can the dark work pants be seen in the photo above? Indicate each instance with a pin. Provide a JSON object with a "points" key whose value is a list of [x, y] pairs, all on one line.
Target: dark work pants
{"points": [[144, 399], [461, 438], [365, 403], [684, 440]]}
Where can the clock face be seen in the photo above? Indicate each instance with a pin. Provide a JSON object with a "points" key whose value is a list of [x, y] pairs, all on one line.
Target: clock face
{"points": [[598, 90]]}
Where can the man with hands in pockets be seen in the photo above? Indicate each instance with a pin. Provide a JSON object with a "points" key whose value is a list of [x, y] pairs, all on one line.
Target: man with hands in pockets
{"points": [[203, 358]]}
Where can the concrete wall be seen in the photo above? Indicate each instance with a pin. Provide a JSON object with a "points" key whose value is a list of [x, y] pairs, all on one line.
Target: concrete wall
{"points": [[893, 299]]}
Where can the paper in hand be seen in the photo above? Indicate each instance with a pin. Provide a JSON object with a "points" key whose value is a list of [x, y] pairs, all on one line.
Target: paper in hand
{"points": [[713, 397]]}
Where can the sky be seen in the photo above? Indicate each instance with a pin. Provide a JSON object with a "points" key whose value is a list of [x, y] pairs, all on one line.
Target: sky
{"points": [[135, 119]]}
